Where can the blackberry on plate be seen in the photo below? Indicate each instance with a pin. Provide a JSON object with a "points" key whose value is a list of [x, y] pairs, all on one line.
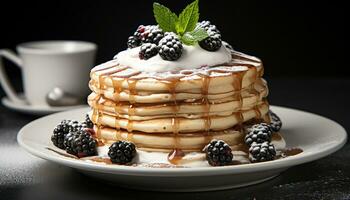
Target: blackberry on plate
{"points": [[153, 34], [122, 152], [218, 153], [258, 133], [133, 42], [80, 143], [170, 47], [260, 152], [59, 133], [74, 125], [276, 123], [212, 42], [61, 130], [148, 50], [87, 123]]}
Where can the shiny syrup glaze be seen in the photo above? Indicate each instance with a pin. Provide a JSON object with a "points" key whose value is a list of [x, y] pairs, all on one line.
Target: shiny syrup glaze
{"points": [[99, 159], [171, 82], [174, 156], [289, 152]]}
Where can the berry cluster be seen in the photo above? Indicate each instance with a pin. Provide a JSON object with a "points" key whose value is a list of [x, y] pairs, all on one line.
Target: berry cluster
{"points": [[152, 41], [75, 137], [258, 139], [218, 153]]}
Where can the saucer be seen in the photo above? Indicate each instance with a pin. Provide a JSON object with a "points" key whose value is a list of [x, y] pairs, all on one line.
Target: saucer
{"points": [[35, 110], [317, 136]]}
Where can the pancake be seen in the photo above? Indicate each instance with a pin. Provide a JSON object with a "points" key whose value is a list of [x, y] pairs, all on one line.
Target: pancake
{"points": [[188, 142], [259, 87], [182, 109], [194, 141], [240, 73], [189, 106], [180, 124]]}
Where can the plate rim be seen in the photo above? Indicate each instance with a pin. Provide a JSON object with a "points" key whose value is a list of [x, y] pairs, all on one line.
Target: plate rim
{"points": [[195, 171]]}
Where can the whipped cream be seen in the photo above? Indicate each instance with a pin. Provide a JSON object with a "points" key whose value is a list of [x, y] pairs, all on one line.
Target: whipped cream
{"points": [[192, 57]]}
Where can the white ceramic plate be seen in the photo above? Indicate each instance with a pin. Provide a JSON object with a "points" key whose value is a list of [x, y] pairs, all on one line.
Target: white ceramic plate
{"points": [[35, 110], [316, 135]]}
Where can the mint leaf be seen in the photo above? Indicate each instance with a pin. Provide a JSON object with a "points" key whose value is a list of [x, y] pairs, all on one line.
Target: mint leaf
{"points": [[199, 33], [190, 38], [188, 18], [164, 17]]}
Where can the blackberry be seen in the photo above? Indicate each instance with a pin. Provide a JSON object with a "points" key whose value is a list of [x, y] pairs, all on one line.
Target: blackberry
{"points": [[228, 46], [87, 123], [218, 153], [170, 47], [258, 133], [145, 34], [260, 152], [122, 152], [276, 123], [59, 133], [61, 130], [74, 125], [80, 143], [213, 28], [152, 34], [133, 42], [212, 42], [148, 50], [206, 25], [141, 29]]}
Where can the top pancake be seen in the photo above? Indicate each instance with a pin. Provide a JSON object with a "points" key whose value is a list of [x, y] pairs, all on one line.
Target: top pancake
{"points": [[111, 77]]}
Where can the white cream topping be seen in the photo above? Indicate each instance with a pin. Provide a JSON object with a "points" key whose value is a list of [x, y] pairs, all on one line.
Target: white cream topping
{"points": [[192, 57]]}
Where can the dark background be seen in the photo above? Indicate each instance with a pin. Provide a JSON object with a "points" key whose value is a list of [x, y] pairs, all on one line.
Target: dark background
{"points": [[293, 38], [302, 45]]}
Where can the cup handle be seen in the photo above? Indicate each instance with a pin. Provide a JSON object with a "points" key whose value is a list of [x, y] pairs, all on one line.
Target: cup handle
{"points": [[4, 80]]}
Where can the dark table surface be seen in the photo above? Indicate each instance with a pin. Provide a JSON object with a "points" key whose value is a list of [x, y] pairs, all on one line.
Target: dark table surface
{"points": [[23, 176]]}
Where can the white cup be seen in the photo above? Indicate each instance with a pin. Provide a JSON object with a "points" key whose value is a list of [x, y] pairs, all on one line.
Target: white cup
{"points": [[47, 65]]}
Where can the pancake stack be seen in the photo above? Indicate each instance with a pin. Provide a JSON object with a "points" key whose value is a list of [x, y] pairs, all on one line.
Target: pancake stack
{"points": [[182, 110]]}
